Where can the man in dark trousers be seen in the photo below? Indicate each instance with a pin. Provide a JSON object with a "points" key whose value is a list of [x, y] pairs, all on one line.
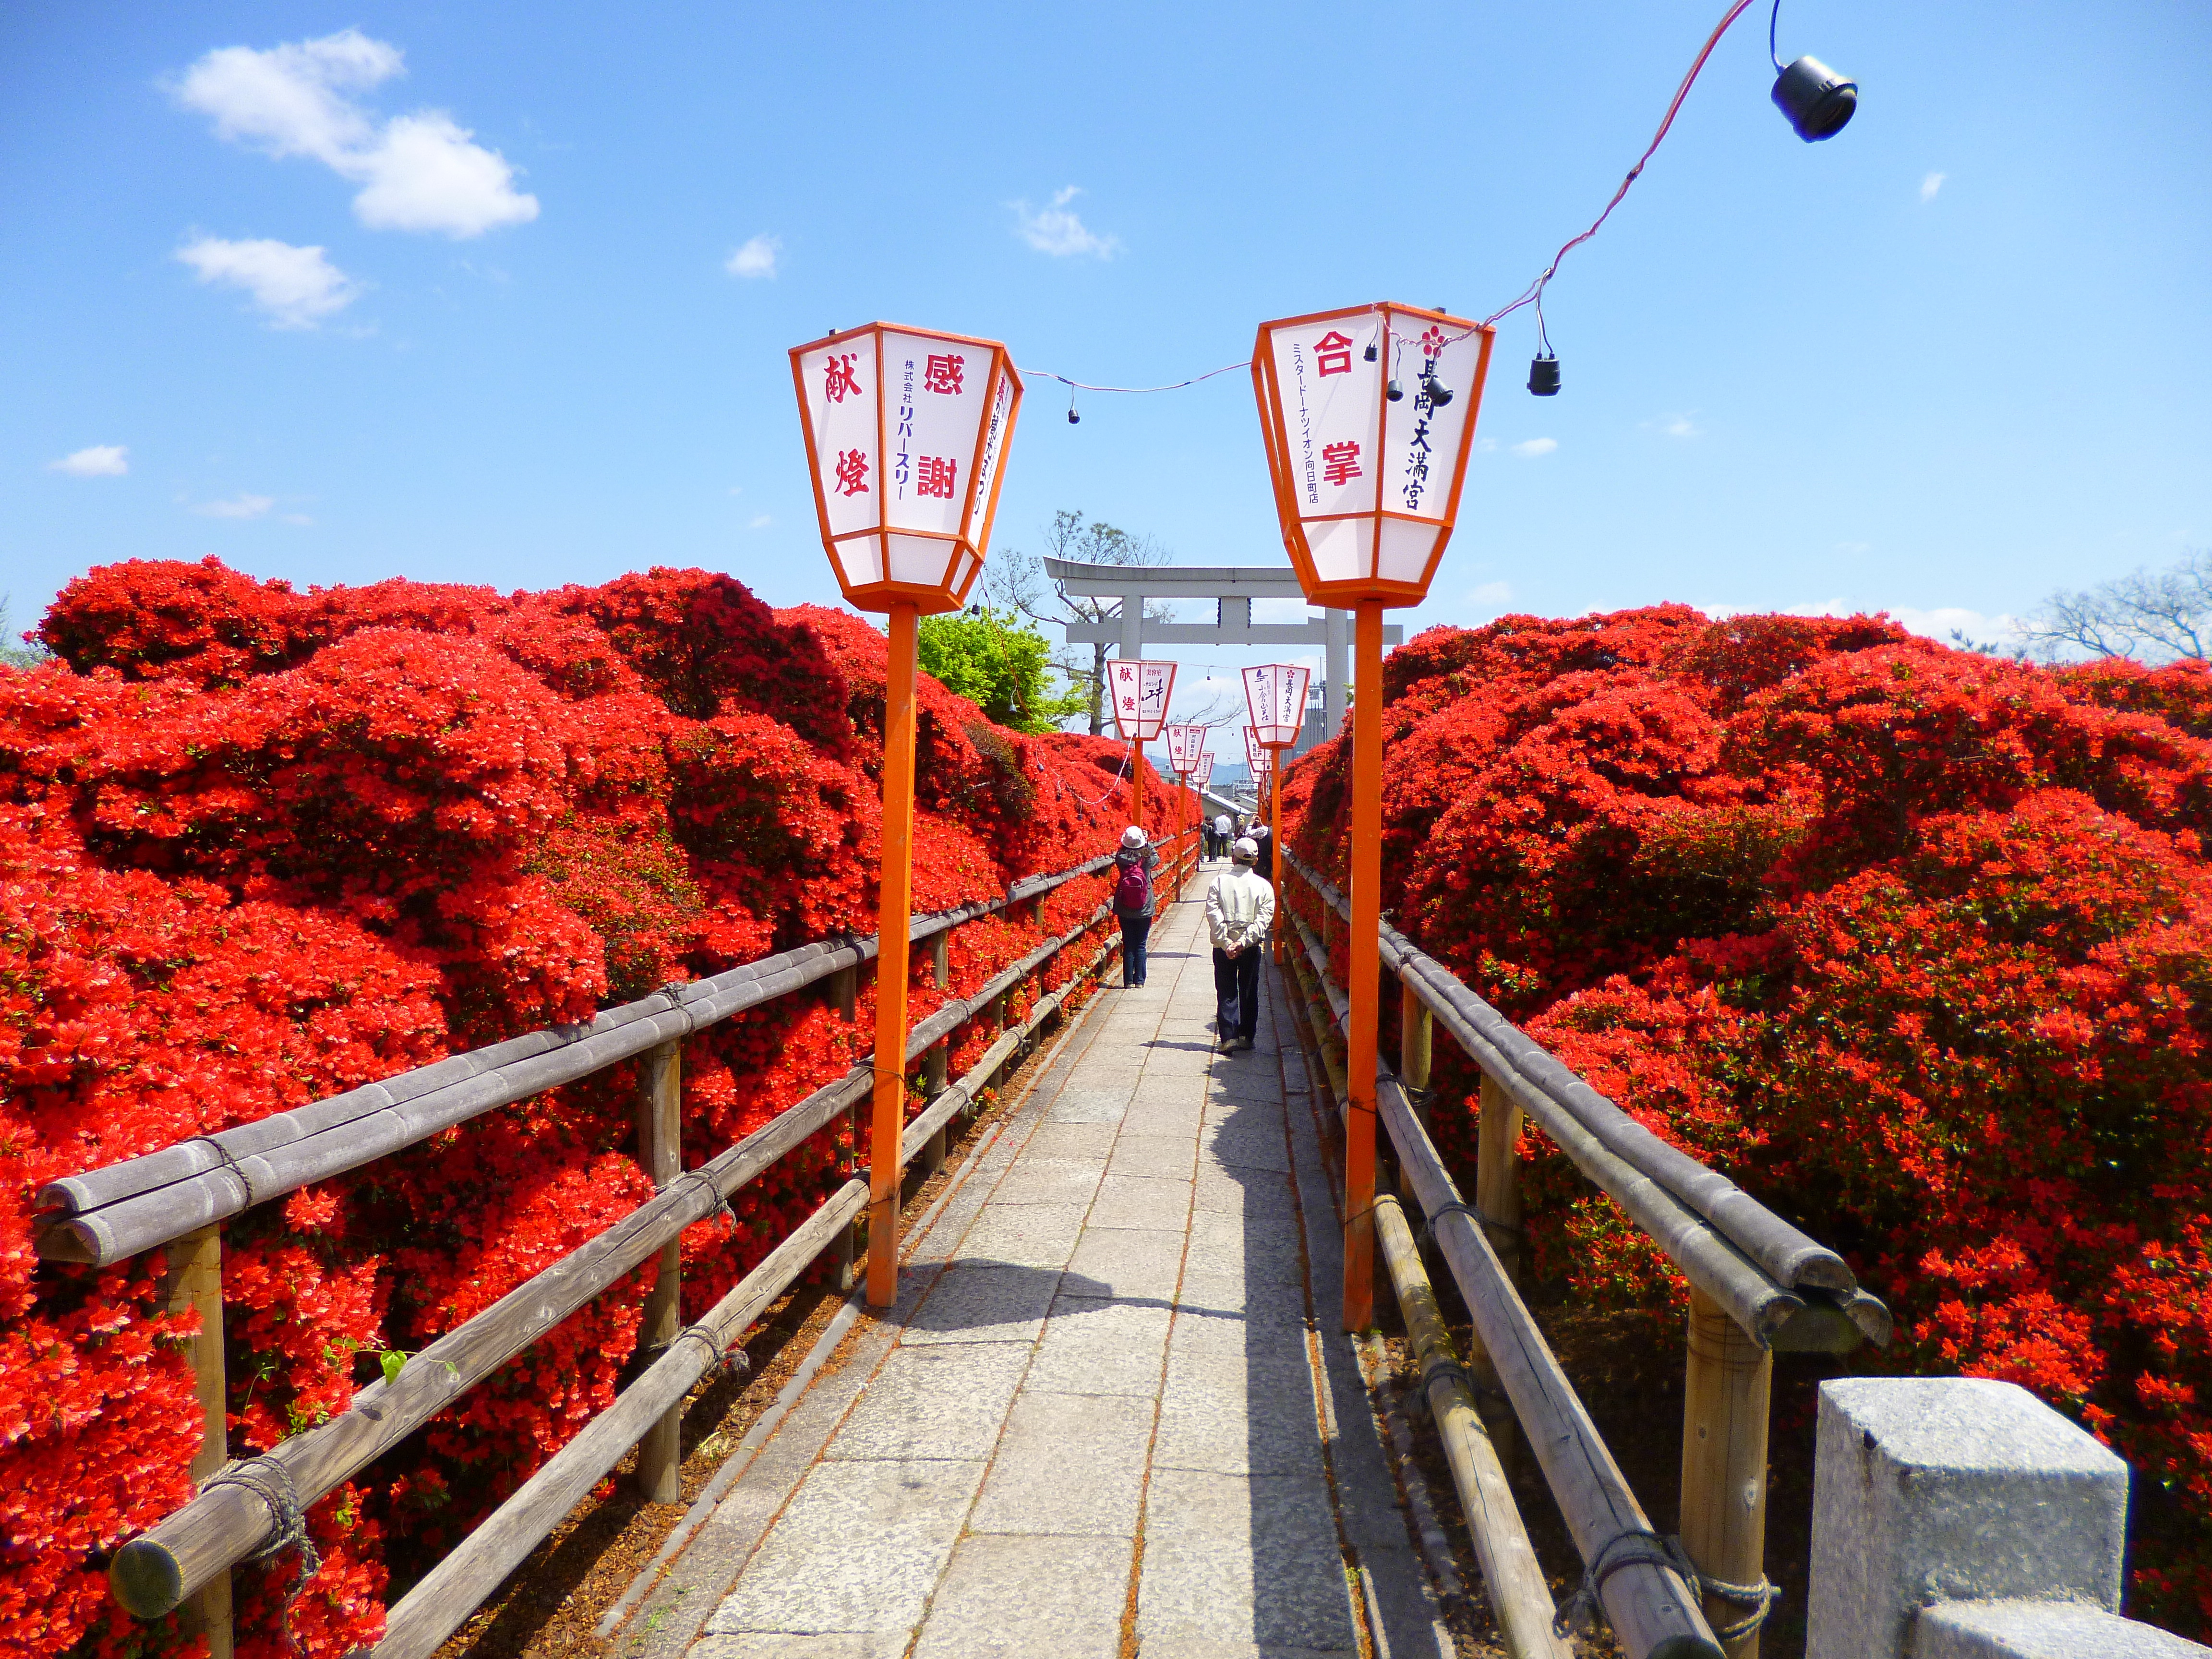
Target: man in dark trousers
{"points": [[1240, 910], [1264, 860]]}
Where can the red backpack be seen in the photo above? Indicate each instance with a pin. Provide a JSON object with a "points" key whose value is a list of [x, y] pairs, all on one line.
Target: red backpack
{"points": [[1134, 889]]}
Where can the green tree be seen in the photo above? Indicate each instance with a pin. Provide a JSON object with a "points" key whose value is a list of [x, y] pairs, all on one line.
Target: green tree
{"points": [[999, 663], [1018, 582], [14, 653]]}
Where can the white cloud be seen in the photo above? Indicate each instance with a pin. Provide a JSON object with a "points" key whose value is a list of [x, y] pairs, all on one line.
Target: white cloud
{"points": [[757, 257], [1677, 426], [759, 521], [1930, 185], [1486, 445], [100, 461], [297, 286], [1490, 596], [297, 518], [237, 506], [1535, 446], [419, 172], [1983, 628], [1057, 230]]}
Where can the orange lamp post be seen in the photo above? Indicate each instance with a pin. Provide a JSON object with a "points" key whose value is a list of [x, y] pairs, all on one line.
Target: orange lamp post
{"points": [[1138, 692], [1367, 415], [1184, 743], [906, 432]]}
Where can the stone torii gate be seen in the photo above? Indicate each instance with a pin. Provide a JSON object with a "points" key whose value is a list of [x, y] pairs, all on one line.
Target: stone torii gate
{"points": [[1232, 587]]}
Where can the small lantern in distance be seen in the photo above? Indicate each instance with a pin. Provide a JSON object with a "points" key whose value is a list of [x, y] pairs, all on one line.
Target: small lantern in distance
{"points": [[906, 432], [1136, 695]]}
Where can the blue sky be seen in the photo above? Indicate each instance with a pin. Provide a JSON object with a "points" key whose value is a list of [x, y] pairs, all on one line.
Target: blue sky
{"points": [[1949, 361]]}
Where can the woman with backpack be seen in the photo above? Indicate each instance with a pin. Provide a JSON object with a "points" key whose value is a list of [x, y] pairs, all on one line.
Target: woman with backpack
{"points": [[1132, 901]]}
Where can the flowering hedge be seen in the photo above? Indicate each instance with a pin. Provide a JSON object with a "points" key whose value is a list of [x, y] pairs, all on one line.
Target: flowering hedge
{"points": [[1914, 944], [258, 846]]}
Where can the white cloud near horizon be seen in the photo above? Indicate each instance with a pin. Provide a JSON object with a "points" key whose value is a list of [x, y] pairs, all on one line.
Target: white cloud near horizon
{"points": [[419, 172], [99, 461], [1983, 628], [1534, 447], [240, 506], [1059, 231], [1930, 185], [758, 257], [1490, 596], [294, 287]]}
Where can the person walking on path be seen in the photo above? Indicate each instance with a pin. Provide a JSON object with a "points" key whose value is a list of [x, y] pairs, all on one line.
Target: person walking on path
{"points": [[1133, 901], [1218, 845], [1264, 860], [1240, 911]]}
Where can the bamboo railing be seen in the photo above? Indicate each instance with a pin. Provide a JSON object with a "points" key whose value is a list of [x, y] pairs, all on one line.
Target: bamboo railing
{"points": [[1757, 1285], [180, 1196]]}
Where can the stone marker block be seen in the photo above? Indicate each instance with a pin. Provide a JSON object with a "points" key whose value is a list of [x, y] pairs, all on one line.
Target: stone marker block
{"points": [[1949, 1489], [2040, 1630]]}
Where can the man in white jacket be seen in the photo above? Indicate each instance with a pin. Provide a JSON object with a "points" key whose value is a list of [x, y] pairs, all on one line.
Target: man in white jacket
{"points": [[1240, 911]]}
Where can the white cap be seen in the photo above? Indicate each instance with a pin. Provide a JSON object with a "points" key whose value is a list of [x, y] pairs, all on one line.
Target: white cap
{"points": [[1246, 848], [1132, 836]]}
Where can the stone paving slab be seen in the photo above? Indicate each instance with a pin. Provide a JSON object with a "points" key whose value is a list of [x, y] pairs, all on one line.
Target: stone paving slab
{"points": [[1099, 1398]]}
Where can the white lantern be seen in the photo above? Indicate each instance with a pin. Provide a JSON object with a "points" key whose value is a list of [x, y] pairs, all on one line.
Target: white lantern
{"points": [[1366, 484], [907, 431], [1184, 743], [1275, 695], [1204, 774], [1138, 692], [1257, 755]]}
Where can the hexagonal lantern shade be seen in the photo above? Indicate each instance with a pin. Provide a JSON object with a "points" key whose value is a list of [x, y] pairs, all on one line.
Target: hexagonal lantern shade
{"points": [[1184, 743], [1138, 693], [907, 432], [1275, 694], [1367, 486], [1202, 773], [1257, 755]]}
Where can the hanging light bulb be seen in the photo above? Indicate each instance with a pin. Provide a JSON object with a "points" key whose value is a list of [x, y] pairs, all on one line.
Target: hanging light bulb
{"points": [[1395, 391], [1544, 375], [1435, 390], [1369, 355], [1073, 417], [1816, 100]]}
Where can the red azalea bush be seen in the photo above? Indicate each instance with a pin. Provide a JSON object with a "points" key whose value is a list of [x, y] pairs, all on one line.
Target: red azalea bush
{"points": [[1914, 944], [259, 847]]}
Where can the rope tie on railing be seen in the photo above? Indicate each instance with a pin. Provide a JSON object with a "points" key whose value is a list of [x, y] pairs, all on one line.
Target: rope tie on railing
{"points": [[719, 1352], [1428, 1233], [1580, 1610], [271, 1482], [701, 1178], [231, 1164], [1636, 1547]]}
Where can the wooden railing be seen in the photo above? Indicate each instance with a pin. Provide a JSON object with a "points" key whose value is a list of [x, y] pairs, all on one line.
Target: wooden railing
{"points": [[1757, 1284], [179, 1197]]}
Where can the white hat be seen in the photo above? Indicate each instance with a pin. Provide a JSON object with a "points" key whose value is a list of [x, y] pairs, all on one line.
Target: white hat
{"points": [[1132, 836], [1247, 849]]}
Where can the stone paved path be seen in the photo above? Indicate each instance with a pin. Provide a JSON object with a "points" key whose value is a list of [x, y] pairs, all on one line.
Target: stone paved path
{"points": [[1110, 1415]]}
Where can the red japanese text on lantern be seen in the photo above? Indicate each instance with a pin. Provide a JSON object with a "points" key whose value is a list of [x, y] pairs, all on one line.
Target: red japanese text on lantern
{"points": [[851, 473], [838, 377], [935, 475], [942, 374], [1340, 462], [1331, 355]]}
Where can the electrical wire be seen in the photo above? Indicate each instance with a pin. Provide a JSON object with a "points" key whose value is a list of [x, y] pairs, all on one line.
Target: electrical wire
{"points": [[1533, 293], [1175, 385], [1773, 18], [1536, 289]]}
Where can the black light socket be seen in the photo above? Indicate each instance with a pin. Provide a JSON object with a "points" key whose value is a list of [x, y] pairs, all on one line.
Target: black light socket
{"points": [[1544, 376], [1817, 101]]}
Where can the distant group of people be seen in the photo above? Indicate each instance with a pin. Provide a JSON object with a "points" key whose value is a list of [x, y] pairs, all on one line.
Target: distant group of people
{"points": [[1222, 832], [1240, 913]]}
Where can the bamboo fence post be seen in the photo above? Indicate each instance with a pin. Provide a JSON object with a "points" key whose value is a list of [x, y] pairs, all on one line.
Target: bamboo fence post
{"points": [[1728, 1389], [1498, 1201], [844, 991], [941, 959], [1416, 1045], [659, 1152], [932, 1084], [194, 1282], [845, 996]]}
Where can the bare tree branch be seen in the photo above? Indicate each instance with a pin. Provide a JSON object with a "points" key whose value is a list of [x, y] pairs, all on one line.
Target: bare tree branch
{"points": [[1017, 582], [2154, 616]]}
